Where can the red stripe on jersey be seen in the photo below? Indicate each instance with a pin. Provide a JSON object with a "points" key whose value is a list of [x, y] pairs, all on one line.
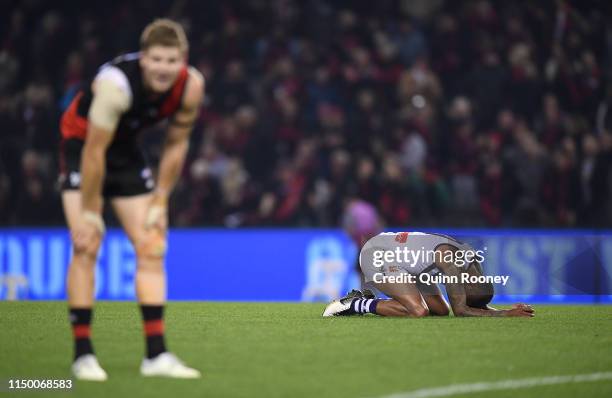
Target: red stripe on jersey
{"points": [[72, 124], [173, 102], [402, 237]]}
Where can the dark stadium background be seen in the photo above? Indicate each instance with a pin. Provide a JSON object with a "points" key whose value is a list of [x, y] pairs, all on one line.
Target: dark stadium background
{"points": [[488, 120], [441, 113]]}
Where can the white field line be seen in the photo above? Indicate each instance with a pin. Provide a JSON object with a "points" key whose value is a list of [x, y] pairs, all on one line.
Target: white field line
{"points": [[510, 384]]}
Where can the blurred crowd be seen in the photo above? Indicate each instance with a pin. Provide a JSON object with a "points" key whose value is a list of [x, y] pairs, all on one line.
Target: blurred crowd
{"points": [[439, 113]]}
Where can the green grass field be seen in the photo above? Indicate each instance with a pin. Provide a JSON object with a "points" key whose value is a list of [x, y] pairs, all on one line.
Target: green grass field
{"points": [[288, 350]]}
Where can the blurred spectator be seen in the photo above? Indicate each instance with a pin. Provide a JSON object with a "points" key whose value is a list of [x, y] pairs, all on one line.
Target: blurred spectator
{"points": [[436, 112]]}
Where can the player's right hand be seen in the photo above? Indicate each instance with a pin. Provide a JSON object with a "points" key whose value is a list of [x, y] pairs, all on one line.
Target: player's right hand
{"points": [[524, 306], [88, 234]]}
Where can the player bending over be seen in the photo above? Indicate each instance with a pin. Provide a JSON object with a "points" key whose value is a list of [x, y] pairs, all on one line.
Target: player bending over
{"points": [[101, 160], [431, 254]]}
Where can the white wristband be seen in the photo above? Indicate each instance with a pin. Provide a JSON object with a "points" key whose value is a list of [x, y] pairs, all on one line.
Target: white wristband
{"points": [[153, 215], [96, 220]]}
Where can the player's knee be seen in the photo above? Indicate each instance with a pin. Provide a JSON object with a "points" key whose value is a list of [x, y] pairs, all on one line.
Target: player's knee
{"points": [[419, 312], [415, 310], [86, 256], [151, 250]]}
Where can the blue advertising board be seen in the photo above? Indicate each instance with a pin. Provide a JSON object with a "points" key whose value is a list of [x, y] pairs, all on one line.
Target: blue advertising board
{"points": [[300, 264]]}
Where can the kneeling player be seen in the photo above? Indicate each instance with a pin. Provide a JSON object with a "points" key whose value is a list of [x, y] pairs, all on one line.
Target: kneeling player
{"points": [[431, 254]]}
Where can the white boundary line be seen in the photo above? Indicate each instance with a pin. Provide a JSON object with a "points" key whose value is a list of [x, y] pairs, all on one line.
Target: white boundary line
{"points": [[455, 389]]}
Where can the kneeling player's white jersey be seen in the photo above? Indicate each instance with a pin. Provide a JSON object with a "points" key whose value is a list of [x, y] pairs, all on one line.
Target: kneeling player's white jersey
{"points": [[409, 252]]}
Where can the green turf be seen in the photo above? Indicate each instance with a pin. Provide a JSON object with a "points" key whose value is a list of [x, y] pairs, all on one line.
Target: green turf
{"points": [[288, 350]]}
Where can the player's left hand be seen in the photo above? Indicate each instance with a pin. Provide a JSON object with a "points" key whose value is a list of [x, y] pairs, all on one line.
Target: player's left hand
{"points": [[524, 307], [157, 214]]}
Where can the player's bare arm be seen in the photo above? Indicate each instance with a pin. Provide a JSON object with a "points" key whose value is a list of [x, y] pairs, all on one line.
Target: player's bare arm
{"points": [[108, 104], [458, 297], [175, 149]]}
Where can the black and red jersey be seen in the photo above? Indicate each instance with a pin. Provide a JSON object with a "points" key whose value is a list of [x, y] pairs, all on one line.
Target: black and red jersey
{"points": [[143, 112]]}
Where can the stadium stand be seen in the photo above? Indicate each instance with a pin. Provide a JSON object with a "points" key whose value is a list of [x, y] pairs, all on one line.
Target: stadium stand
{"points": [[440, 113]]}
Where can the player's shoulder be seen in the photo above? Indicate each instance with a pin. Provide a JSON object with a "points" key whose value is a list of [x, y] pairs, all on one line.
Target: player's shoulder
{"points": [[393, 238], [195, 75], [402, 234], [194, 88], [121, 71], [195, 79], [128, 64], [382, 239]]}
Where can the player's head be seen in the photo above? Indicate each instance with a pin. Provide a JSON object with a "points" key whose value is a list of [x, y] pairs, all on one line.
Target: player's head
{"points": [[478, 295], [163, 47]]}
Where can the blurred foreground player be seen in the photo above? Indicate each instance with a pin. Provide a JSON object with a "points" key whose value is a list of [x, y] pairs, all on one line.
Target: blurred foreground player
{"points": [[361, 222], [101, 159], [434, 255]]}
